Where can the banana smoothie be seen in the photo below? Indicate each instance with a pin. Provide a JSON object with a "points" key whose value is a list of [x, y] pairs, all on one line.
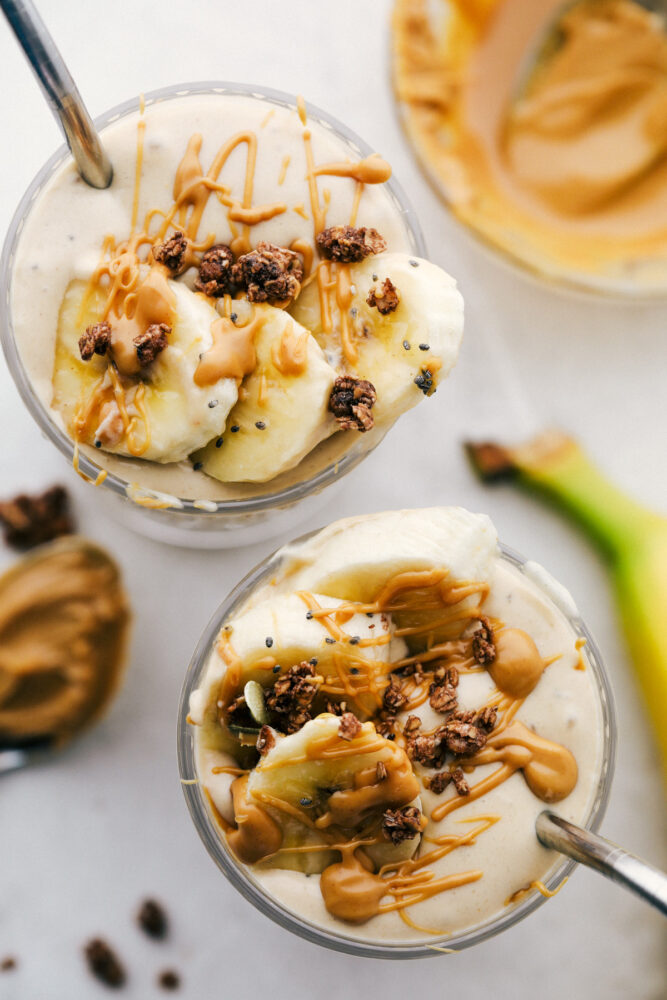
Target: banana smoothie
{"points": [[379, 725], [236, 309]]}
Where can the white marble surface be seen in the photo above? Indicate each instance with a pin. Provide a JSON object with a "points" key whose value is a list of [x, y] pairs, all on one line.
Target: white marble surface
{"points": [[85, 838]]}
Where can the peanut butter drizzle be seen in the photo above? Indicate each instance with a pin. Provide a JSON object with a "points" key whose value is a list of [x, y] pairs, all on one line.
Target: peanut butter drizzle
{"points": [[63, 627], [371, 170], [343, 301], [518, 666], [351, 806], [232, 354], [258, 213], [290, 353], [152, 302], [257, 835]]}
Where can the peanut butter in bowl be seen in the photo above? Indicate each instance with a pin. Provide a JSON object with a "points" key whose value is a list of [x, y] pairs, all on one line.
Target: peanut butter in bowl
{"points": [[64, 621], [561, 168]]}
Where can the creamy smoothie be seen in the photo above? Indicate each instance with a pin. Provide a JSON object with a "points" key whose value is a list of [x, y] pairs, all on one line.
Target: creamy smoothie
{"points": [[237, 310], [378, 727]]}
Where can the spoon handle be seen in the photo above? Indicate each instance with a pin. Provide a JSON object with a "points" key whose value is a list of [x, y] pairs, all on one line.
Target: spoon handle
{"points": [[641, 878], [60, 90]]}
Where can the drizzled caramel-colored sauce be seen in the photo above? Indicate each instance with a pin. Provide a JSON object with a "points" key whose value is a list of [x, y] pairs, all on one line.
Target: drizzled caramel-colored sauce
{"points": [[152, 302], [518, 666], [232, 354], [290, 353], [257, 835]]}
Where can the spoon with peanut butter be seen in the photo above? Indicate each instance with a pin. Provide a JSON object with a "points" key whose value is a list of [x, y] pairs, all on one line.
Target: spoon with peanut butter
{"points": [[64, 621]]}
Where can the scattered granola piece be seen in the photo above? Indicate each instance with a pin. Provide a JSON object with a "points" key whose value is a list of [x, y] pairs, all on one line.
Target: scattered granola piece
{"points": [[351, 402], [486, 719], [381, 771], [265, 741], [96, 340], [483, 647], [412, 724], [151, 342], [385, 298], [386, 728], [152, 919], [172, 253], [269, 274], [401, 824], [104, 963], [336, 707], [427, 749], [215, 271], [169, 980], [238, 714], [462, 737], [393, 698], [460, 783], [349, 726], [438, 782], [30, 520], [291, 696], [347, 244], [442, 692], [8, 964]]}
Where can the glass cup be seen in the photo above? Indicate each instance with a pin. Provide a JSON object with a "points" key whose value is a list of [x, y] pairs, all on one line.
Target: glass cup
{"points": [[198, 523], [241, 877]]}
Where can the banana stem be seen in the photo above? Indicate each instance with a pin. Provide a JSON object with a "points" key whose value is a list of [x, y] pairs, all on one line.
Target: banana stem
{"points": [[632, 540]]}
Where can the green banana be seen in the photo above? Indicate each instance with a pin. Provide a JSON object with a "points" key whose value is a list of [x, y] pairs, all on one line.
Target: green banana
{"points": [[632, 540]]}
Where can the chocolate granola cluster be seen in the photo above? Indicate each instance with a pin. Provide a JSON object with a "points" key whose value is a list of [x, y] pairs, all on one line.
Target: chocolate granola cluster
{"points": [[351, 402]]}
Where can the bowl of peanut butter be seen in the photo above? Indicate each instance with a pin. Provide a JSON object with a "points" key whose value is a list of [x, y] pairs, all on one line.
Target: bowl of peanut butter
{"points": [[561, 170]]}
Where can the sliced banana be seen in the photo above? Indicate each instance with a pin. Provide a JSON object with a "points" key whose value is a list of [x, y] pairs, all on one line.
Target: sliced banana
{"points": [[316, 785], [173, 416], [282, 412], [356, 559], [407, 352], [352, 653]]}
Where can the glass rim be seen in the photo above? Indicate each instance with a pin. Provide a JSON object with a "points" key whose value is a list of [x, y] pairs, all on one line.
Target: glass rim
{"points": [[41, 414], [277, 911]]}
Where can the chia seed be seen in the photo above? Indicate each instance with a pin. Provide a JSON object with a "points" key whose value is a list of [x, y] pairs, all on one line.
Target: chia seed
{"points": [[233, 317], [260, 425], [197, 466], [424, 347], [309, 615], [218, 443], [406, 345], [235, 429], [329, 640], [212, 403], [413, 263], [268, 641]]}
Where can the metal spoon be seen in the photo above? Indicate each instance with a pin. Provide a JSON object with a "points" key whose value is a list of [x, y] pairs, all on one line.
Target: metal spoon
{"points": [[595, 852], [60, 90], [552, 38]]}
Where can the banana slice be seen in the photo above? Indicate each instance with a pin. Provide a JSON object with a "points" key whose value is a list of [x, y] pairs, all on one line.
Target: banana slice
{"points": [[320, 788], [352, 653], [282, 413], [173, 416], [356, 559], [407, 352]]}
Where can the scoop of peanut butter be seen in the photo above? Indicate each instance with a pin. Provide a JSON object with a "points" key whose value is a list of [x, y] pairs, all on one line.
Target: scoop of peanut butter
{"points": [[63, 627]]}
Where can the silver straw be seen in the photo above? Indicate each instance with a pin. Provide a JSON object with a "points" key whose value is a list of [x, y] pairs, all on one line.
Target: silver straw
{"points": [[60, 90]]}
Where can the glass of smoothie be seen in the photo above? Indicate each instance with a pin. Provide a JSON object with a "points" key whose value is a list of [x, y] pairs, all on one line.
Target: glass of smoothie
{"points": [[372, 722], [234, 323]]}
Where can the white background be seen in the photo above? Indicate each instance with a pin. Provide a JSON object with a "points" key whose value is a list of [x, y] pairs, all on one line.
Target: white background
{"points": [[85, 838]]}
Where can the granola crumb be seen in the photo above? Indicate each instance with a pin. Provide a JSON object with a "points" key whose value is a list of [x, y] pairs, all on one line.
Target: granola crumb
{"points": [[427, 749], [172, 253], [290, 697], [215, 271], [169, 980], [401, 824], [104, 963], [8, 964], [27, 521], [393, 699], [269, 274], [483, 646], [442, 692], [460, 783], [265, 741], [96, 340], [439, 781], [346, 244], [151, 342], [381, 771], [351, 402], [461, 737], [486, 719], [152, 919], [349, 727], [385, 298]]}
